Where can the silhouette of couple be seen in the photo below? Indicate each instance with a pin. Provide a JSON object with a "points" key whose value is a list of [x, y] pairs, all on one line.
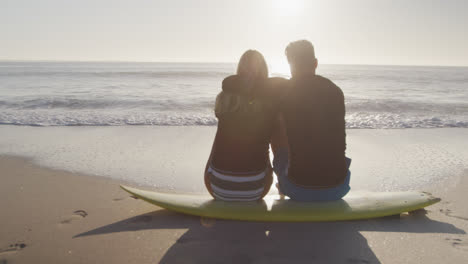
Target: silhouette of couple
{"points": [[303, 119]]}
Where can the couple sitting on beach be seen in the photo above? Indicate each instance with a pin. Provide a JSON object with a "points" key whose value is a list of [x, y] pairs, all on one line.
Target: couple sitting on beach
{"points": [[303, 119]]}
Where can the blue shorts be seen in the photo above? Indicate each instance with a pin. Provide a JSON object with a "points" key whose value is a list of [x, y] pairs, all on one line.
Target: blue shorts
{"points": [[297, 193]]}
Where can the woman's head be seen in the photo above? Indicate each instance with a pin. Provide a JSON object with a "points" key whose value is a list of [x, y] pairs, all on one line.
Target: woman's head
{"points": [[252, 65], [253, 71]]}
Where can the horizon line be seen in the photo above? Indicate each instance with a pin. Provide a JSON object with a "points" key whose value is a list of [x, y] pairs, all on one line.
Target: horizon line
{"points": [[220, 62]]}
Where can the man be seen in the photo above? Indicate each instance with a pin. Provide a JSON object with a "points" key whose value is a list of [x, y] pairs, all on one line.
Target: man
{"points": [[310, 141]]}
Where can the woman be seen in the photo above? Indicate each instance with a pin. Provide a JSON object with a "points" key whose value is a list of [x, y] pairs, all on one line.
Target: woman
{"points": [[239, 167]]}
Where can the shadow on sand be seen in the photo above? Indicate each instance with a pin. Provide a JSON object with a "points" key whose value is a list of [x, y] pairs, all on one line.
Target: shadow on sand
{"points": [[223, 241]]}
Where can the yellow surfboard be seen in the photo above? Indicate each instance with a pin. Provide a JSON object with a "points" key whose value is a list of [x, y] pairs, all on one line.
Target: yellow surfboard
{"points": [[355, 205]]}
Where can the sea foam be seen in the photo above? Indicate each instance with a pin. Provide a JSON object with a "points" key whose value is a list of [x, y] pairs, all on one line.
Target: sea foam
{"points": [[181, 94]]}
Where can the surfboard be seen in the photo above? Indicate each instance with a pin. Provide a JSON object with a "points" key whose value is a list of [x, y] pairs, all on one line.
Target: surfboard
{"points": [[355, 205]]}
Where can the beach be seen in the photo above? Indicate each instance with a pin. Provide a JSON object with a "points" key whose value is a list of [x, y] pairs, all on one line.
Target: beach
{"points": [[97, 96], [72, 132], [61, 201]]}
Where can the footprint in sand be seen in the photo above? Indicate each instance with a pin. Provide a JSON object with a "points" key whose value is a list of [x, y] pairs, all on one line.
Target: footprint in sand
{"points": [[12, 248], [78, 214], [458, 243], [449, 213]]}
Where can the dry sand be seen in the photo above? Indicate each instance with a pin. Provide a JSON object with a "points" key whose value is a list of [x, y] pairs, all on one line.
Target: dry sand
{"points": [[53, 216]]}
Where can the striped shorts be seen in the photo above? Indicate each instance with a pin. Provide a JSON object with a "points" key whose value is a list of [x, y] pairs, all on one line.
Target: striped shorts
{"points": [[233, 186]]}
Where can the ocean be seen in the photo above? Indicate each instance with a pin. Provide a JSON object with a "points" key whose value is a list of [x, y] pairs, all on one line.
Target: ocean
{"points": [[183, 94]]}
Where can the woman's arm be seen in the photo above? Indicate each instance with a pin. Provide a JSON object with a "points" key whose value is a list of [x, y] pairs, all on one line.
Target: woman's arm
{"points": [[279, 138]]}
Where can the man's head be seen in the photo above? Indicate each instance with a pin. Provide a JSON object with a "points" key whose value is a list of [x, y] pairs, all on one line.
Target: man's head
{"points": [[301, 57]]}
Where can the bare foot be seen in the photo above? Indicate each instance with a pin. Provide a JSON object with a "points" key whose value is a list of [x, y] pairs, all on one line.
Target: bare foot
{"points": [[12, 248]]}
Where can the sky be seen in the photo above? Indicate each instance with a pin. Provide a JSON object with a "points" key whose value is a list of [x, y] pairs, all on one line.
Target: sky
{"points": [[383, 32]]}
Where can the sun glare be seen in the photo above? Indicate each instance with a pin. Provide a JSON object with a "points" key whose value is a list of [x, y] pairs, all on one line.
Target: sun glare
{"points": [[280, 69]]}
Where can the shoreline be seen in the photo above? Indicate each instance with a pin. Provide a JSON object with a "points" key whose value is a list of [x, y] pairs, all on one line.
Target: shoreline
{"points": [[61, 217], [173, 158]]}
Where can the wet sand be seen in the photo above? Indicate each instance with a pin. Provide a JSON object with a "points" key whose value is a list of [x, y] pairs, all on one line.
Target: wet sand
{"points": [[171, 158]]}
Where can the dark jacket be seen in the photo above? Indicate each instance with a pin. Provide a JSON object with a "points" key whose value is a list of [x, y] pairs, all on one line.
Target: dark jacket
{"points": [[242, 139], [314, 114]]}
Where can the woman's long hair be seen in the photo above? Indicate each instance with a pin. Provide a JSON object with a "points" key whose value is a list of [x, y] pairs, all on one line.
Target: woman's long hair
{"points": [[252, 66], [253, 69]]}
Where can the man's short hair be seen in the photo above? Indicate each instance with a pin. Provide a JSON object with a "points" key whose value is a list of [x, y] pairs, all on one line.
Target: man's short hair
{"points": [[301, 53]]}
